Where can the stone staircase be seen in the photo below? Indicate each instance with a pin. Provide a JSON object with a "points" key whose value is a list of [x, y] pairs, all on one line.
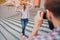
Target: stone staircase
{"points": [[10, 28]]}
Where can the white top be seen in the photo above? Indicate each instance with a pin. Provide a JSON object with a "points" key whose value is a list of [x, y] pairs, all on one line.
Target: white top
{"points": [[25, 13]]}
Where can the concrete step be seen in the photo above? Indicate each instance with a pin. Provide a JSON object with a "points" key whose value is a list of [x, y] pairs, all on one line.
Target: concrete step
{"points": [[11, 31], [12, 26], [2, 37]]}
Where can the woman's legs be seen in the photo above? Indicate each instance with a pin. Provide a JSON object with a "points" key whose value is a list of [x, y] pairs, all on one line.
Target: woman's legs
{"points": [[24, 23]]}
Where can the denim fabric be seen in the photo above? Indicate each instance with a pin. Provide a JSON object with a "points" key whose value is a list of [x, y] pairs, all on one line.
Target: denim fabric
{"points": [[24, 23]]}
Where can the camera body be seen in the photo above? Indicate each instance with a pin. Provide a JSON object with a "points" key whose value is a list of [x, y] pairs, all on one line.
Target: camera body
{"points": [[51, 26], [45, 16]]}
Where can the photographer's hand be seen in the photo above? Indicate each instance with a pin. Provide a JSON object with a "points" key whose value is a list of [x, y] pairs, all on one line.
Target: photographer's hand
{"points": [[38, 19], [37, 24]]}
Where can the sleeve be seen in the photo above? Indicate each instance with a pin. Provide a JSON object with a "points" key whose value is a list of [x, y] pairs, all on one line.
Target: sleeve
{"points": [[40, 37], [18, 10], [29, 6]]}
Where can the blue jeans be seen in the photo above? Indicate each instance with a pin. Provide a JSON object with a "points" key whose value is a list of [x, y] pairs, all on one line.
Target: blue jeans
{"points": [[24, 23]]}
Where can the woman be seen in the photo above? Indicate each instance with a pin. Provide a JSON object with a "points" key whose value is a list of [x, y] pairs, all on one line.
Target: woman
{"points": [[24, 12]]}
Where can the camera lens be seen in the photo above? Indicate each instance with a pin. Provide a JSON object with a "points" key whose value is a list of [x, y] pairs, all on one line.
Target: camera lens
{"points": [[45, 15]]}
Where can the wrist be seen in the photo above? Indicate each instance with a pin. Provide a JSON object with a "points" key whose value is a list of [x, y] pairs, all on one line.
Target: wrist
{"points": [[38, 23]]}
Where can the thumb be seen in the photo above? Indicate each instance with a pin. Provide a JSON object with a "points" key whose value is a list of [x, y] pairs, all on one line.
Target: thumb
{"points": [[38, 14]]}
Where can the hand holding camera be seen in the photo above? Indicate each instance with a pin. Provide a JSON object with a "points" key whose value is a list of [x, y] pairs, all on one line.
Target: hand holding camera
{"points": [[39, 19]]}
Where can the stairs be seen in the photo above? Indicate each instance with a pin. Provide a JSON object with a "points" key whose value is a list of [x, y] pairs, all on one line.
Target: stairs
{"points": [[10, 28]]}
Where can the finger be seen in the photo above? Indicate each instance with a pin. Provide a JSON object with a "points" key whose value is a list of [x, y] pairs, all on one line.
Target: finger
{"points": [[39, 13], [42, 14]]}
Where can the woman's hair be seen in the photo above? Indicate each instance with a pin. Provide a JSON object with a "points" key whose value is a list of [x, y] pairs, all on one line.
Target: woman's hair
{"points": [[53, 6], [22, 4]]}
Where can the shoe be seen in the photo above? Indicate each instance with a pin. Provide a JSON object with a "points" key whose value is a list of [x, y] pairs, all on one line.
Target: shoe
{"points": [[21, 34]]}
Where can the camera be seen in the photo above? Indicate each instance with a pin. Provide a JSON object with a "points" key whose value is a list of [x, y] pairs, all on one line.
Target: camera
{"points": [[51, 26], [44, 16]]}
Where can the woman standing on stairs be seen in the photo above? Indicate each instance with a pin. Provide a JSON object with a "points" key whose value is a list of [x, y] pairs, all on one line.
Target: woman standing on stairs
{"points": [[24, 13]]}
